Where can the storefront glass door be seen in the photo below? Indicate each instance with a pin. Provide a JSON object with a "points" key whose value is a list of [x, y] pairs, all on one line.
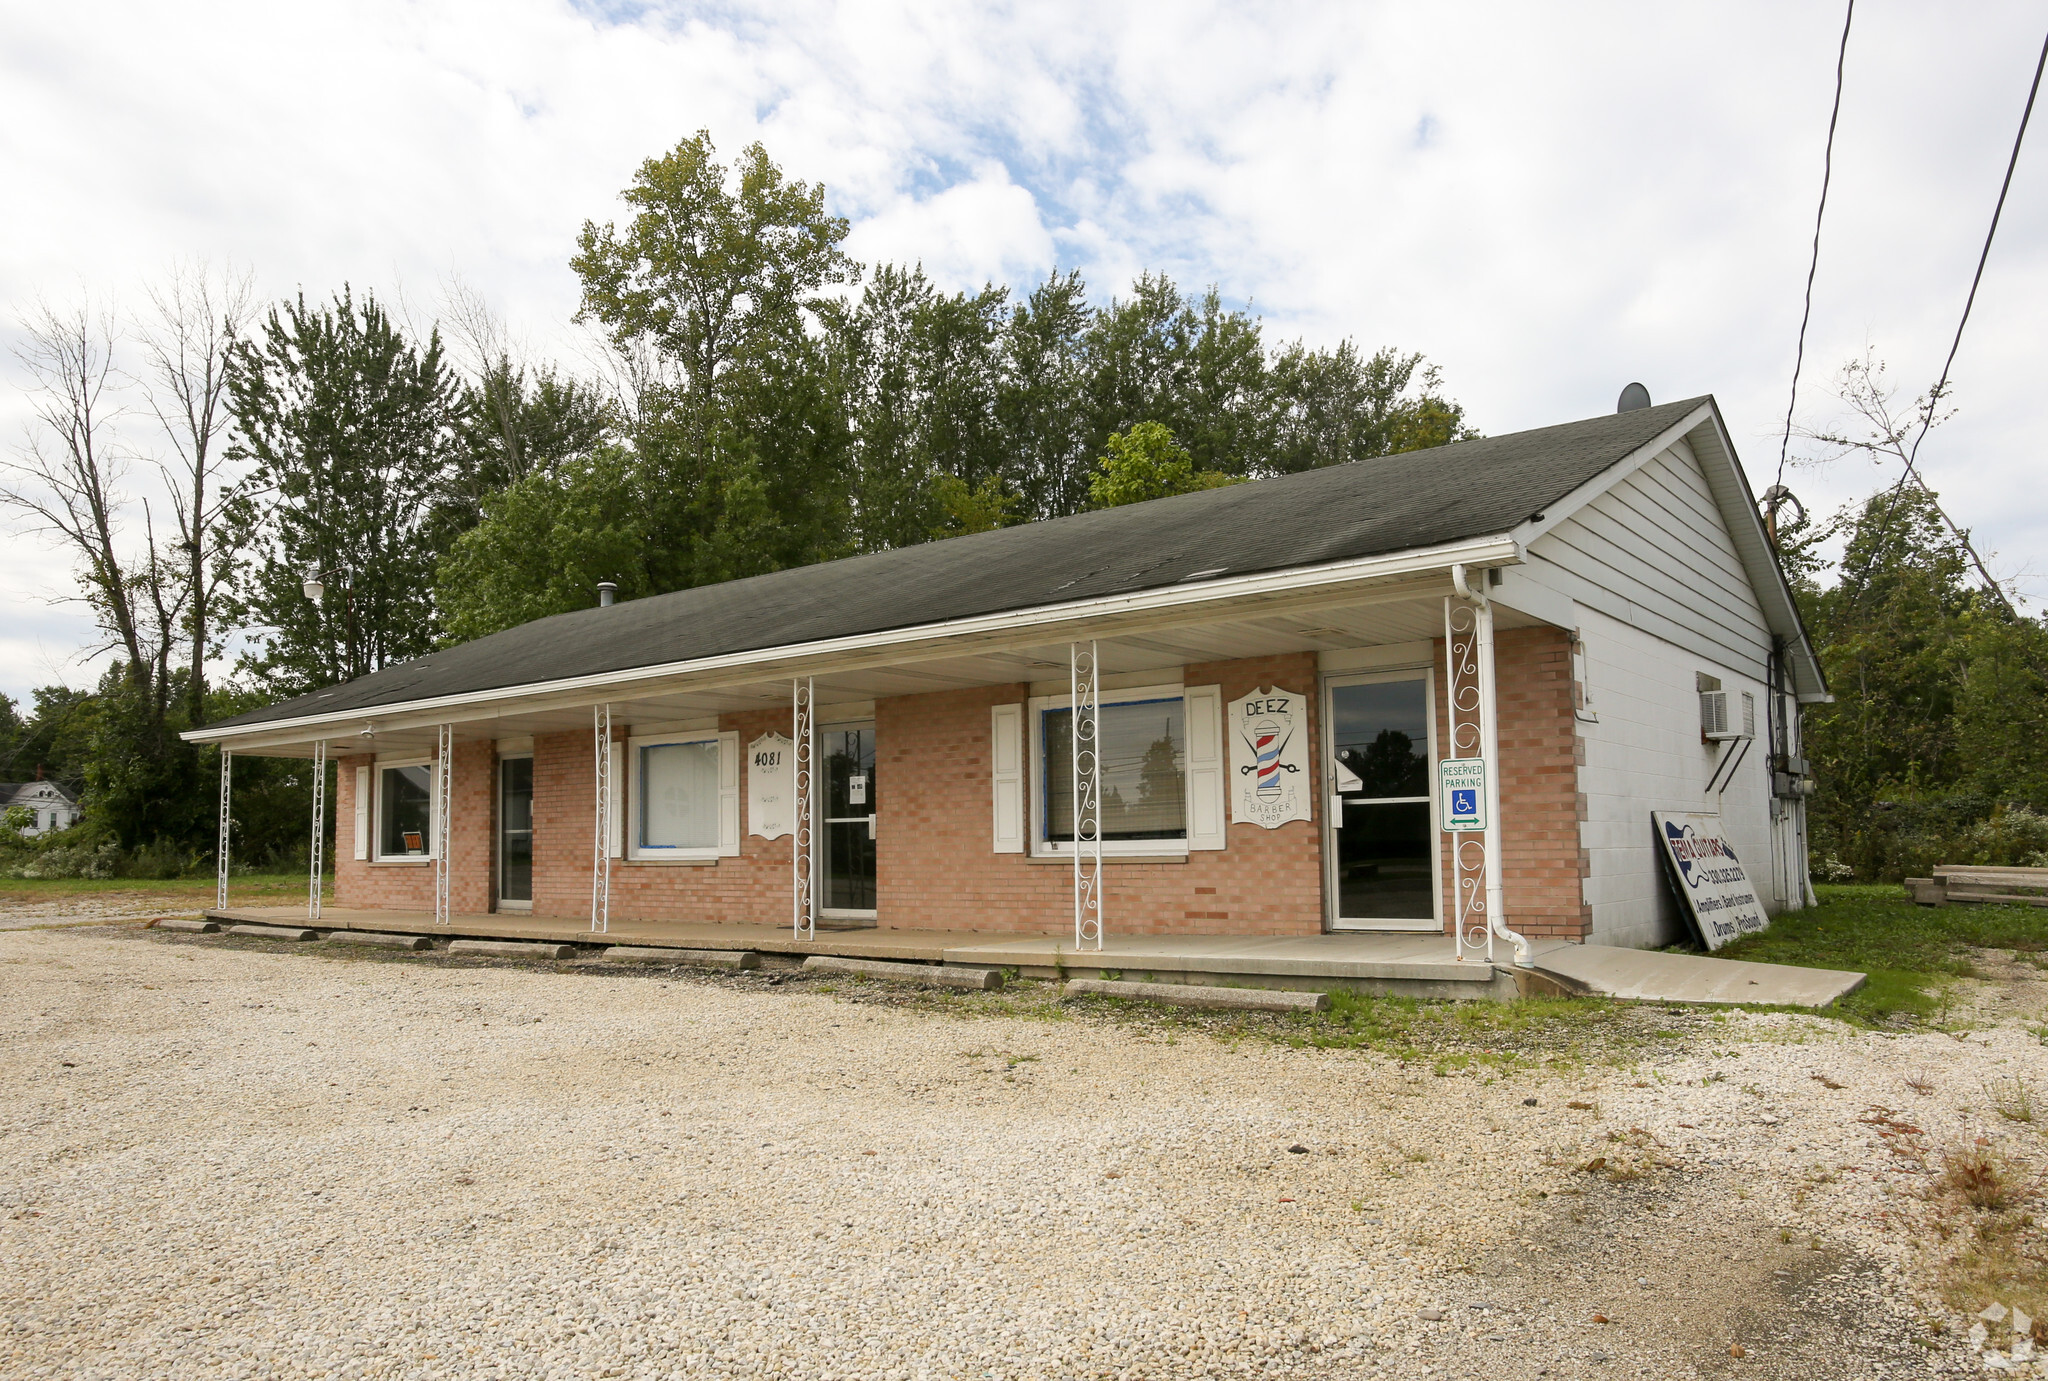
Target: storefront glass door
{"points": [[846, 872], [515, 834], [1382, 845]]}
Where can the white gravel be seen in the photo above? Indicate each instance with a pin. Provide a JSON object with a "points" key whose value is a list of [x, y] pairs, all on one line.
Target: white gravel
{"points": [[237, 1160]]}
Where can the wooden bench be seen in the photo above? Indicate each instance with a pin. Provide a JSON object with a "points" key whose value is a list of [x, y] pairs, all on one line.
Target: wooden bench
{"points": [[2003, 886]]}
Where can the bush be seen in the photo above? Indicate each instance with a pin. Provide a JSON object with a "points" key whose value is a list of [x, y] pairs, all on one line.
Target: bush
{"points": [[73, 861], [2011, 838]]}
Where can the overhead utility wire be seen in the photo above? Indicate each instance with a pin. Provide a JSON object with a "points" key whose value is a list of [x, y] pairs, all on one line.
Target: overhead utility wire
{"points": [[1941, 387], [1827, 172]]}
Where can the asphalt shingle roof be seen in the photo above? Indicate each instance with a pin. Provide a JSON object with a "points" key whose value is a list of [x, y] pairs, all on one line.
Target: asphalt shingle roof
{"points": [[1366, 508]]}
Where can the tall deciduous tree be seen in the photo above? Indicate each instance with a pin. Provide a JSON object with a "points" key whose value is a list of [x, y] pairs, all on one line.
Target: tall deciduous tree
{"points": [[353, 431]]}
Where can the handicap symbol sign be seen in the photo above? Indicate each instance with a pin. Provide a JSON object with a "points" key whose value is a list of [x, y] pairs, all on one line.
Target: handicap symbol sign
{"points": [[1464, 793]]}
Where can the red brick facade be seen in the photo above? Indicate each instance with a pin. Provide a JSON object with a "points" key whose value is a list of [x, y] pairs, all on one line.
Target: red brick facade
{"points": [[937, 867]]}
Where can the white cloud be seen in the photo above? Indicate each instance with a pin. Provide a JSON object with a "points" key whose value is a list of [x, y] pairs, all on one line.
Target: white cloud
{"points": [[1549, 201]]}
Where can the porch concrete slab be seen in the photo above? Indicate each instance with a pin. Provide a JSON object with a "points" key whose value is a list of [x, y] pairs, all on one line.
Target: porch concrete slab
{"points": [[1653, 976], [1345, 955]]}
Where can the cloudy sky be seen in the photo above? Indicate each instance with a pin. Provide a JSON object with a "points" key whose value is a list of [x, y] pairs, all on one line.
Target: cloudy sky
{"points": [[1547, 200]]}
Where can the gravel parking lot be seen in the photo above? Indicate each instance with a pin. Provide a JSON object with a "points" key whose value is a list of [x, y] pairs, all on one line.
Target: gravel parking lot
{"points": [[228, 1158]]}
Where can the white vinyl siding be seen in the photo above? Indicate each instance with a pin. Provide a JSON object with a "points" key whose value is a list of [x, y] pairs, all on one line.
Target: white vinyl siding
{"points": [[1654, 553], [1006, 774]]}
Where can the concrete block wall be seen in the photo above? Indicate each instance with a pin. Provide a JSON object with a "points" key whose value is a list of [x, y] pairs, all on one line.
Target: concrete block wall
{"points": [[1644, 753]]}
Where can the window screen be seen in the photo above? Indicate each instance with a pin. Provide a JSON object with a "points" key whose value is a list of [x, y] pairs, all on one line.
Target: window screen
{"points": [[405, 796], [1144, 779], [679, 796]]}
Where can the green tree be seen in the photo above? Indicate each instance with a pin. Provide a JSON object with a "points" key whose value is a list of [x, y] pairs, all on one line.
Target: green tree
{"points": [[1338, 405], [1044, 372], [354, 434], [544, 545], [1146, 463]]}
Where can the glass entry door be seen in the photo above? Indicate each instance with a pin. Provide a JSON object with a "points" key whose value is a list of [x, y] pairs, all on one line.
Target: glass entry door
{"points": [[1382, 853], [515, 834], [846, 775]]}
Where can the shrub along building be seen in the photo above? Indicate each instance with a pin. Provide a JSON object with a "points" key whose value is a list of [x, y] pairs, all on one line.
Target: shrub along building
{"points": [[1215, 715]]}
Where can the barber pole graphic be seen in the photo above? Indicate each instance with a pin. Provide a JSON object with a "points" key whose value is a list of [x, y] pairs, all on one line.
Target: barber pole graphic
{"points": [[1269, 773], [1268, 737]]}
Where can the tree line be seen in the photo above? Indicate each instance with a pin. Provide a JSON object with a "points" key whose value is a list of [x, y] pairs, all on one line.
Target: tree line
{"points": [[316, 488]]}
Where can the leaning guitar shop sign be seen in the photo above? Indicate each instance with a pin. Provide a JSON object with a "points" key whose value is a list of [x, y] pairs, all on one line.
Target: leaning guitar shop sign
{"points": [[1708, 877], [1269, 782]]}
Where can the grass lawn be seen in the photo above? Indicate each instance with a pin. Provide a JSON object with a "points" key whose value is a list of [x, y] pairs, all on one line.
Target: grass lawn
{"points": [[245, 889], [1910, 952]]}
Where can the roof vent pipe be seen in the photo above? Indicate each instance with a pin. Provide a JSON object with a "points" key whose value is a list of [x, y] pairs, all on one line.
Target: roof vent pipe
{"points": [[1633, 397], [606, 593]]}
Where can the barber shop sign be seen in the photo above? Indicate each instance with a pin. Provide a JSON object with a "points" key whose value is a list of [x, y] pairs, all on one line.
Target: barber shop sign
{"points": [[1269, 779]]}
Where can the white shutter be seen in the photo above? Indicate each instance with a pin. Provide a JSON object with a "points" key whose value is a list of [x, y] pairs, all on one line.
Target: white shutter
{"points": [[1006, 772], [729, 795], [615, 842], [362, 839], [1206, 786]]}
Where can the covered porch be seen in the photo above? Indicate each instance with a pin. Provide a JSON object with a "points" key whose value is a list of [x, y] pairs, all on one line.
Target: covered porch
{"points": [[1432, 615]]}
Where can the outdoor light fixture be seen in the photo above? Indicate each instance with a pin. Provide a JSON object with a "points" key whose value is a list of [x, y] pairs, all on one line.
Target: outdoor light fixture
{"points": [[314, 588]]}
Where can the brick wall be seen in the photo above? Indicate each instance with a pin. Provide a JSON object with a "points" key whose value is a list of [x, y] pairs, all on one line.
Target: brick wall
{"points": [[754, 887], [937, 868], [410, 886], [1543, 866]]}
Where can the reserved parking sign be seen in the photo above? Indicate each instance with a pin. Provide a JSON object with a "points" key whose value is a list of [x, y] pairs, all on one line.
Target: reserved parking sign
{"points": [[1461, 784]]}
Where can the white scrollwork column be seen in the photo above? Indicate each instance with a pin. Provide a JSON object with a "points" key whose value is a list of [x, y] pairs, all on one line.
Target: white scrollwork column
{"points": [[220, 852], [601, 824], [319, 827], [803, 899], [1467, 740], [1481, 638], [1086, 742], [444, 810]]}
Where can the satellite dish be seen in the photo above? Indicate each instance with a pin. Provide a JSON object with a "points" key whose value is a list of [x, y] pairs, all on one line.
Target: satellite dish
{"points": [[1633, 397]]}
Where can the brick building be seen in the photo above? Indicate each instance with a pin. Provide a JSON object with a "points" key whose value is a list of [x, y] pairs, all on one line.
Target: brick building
{"points": [[1217, 714]]}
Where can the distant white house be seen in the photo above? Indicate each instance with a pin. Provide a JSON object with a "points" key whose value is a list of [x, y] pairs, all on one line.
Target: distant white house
{"points": [[54, 807]]}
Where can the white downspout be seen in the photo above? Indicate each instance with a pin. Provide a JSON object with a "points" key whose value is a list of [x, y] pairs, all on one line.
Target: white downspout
{"points": [[1489, 747]]}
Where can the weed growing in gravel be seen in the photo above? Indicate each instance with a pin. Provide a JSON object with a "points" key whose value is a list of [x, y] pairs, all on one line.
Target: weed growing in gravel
{"points": [[2013, 1098], [1975, 1175]]}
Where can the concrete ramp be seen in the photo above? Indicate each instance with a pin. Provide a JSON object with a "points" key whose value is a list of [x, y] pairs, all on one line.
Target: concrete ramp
{"points": [[1652, 976]]}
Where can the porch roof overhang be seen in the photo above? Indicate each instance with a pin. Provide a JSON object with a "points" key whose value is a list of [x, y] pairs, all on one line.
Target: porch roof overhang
{"points": [[1373, 601]]}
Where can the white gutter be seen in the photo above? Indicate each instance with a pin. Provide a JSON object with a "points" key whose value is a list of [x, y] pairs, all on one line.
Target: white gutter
{"points": [[1474, 553]]}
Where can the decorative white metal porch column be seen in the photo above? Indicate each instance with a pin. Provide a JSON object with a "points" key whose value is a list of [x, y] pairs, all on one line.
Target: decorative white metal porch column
{"points": [[220, 852], [601, 828], [1085, 739], [444, 809], [1478, 907], [319, 827], [803, 900]]}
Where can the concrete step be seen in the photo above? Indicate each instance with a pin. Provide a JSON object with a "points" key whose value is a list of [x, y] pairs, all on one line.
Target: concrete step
{"points": [[934, 975], [1653, 976], [274, 932], [512, 949], [1191, 995], [377, 940], [705, 958]]}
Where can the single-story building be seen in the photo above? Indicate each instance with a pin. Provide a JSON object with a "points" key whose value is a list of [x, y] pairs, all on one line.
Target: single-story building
{"points": [[1216, 714]]}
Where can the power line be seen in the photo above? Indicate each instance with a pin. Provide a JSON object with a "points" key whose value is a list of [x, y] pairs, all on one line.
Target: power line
{"points": [[1827, 173], [1941, 387]]}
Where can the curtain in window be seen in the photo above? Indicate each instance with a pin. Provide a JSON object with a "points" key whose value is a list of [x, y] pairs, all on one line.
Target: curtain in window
{"points": [[679, 796]]}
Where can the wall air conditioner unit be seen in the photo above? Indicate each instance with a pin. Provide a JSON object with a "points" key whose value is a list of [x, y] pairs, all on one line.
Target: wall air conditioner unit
{"points": [[1717, 725]]}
